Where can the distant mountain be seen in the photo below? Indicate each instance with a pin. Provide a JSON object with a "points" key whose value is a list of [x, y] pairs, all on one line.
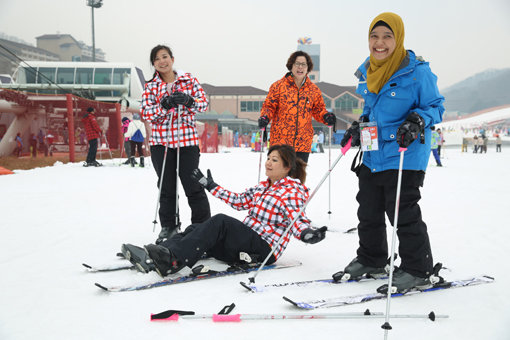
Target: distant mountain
{"points": [[482, 91]]}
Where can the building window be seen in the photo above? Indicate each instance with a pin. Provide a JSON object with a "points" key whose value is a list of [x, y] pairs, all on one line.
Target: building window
{"points": [[312, 77], [65, 76], [327, 102], [346, 103], [118, 78], [103, 76], [46, 75], [251, 106], [84, 75]]}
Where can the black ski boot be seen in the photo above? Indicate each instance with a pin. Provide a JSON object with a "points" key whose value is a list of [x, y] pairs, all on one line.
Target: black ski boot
{"points": [[142, 162], [165, 234], [165, 262], [403, 282], [132, 161], [356, 271], [138, 257]]}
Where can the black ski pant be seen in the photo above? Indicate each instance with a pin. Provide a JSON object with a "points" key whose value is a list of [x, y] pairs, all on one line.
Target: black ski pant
{"points": [[91, 155], [136, 146], [222, 237], [376, 196], [197, 198]]}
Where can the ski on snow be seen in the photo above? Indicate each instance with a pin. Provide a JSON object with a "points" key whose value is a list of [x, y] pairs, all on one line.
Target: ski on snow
{"points": [[109, 267], [354, 299], [197, 274], [262, 288]]}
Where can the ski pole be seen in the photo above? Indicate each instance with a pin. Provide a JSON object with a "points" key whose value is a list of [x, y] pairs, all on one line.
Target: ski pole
{"points": [[163, 171], [343, 152], [386, 326], [175, 316], [262, 135], [108, 146], [177, 220], [329, 179]]}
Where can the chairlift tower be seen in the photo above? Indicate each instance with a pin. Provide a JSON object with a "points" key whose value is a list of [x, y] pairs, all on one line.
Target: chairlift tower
{"points": [[94, 4]]}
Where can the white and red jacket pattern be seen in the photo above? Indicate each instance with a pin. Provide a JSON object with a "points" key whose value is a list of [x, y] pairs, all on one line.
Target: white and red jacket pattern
{"points": [[163, 130], [271, 209]]}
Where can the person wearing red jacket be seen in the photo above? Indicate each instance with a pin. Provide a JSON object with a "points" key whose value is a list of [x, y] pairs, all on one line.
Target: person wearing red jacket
{"points": [[272, 205], [291, 104], [93, 133]]}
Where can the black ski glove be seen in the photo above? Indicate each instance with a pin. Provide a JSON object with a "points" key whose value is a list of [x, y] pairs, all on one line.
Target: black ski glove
{"points": [[329, 118], [206, 182], [167, 103], [181, 98], [410, 129], [312, 236], [263, 121], [354, 132]]}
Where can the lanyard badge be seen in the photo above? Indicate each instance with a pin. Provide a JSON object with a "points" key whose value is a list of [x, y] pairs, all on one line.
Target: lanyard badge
{"points": [[368, 136]]}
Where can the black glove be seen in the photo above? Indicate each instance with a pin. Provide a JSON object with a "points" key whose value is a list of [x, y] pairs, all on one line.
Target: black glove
{"points": [[205, 182], [312, 236], [263, 121], [181, 98], [167, 102], [410, 129], [354, 132], [329, 118]]}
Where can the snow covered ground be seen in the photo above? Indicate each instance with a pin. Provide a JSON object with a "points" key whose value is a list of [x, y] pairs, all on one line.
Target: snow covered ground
{"points": [[55, 218]]}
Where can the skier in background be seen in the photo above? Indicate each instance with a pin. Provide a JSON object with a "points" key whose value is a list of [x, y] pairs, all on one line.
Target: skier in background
{"points": [[291, 104], [136, 135], [93, 133]]}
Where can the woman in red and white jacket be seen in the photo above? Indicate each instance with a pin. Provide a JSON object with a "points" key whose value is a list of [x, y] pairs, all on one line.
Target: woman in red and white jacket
{"points": [[272, 205], [170, 95]]}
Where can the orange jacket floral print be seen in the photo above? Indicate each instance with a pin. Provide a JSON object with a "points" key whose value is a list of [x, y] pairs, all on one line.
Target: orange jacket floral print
{"points": [[290, 111]]}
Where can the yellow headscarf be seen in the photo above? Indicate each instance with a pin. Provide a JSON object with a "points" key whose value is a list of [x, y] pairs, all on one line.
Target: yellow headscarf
{"points": [[380, 71]]}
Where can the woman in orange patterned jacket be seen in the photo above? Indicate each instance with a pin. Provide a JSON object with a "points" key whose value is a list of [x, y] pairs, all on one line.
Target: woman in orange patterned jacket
{"points": [[290, 105]]}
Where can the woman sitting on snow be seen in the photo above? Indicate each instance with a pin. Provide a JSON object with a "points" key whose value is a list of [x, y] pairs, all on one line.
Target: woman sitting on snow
{"points": [[271, 205]]}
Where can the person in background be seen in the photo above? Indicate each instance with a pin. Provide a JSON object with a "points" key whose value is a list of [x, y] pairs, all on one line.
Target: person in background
{"points": [[136, 135], [464, 143], [475, 144], [127, 143], [33, 145], [440, 141], [485, 141], [402, 99], [19, 145], [169, 94], [291, 104], [272, 205], [435, 137], [320, 141], [498, 143], [93, 133]]}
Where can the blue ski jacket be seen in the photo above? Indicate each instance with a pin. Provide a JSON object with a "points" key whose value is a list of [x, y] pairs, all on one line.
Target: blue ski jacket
{"points": [[413, 88]]}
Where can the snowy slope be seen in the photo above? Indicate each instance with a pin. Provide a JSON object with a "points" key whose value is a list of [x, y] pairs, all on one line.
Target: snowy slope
{"points": [[55, 218]]}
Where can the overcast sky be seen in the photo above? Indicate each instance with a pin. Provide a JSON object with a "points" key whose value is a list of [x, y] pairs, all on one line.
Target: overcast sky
{"points": [[247, 42]]}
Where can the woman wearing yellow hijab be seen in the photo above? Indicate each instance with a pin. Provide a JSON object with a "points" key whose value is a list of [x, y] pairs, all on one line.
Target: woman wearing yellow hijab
{"points": [[402, 102]]}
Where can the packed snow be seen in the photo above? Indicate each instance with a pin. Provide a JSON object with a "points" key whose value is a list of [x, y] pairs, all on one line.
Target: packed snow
{"points": [[55, 218]]}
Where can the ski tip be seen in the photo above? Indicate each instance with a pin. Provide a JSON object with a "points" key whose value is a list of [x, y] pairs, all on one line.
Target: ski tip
{"points": [[351, 230], [289, 300], [246, 286], [101, 286], [86, 266]]}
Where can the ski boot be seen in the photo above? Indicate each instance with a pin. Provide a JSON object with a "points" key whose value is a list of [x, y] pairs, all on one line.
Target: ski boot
{"points": [[165, 262], [404, 282], [132, 161], [142, 162], [138, 257], [165, 234], [356, 271]]}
